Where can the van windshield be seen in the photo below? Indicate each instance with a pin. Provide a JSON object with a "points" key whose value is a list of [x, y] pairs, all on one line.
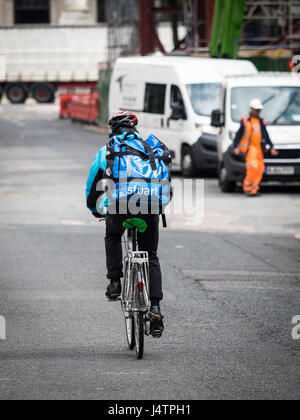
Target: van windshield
{"points": [[281, 104], [205, 97]]}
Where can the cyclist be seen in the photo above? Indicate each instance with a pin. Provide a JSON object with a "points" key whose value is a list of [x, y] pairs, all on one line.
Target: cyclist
{"points": [[125, 122]]}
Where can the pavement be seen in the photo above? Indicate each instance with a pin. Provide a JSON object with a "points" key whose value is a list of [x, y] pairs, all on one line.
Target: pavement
{"points": [[231, 283]]}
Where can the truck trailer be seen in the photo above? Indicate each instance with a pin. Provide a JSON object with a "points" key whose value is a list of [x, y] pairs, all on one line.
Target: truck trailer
{"points": [[41, 59]]}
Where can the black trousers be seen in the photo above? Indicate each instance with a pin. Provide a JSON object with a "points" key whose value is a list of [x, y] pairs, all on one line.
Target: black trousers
{"points": [[148, 241]]}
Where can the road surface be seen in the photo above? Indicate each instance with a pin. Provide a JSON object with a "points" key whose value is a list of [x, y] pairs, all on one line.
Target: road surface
{"points": [[231, 283]]}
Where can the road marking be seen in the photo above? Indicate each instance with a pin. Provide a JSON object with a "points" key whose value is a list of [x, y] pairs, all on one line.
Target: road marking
{"points": [[19, 123], [73, 223], [223, 273], [126, 373], [53, 295], [246, 286]]}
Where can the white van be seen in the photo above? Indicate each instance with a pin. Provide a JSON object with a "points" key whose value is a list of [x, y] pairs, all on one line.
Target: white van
{"points": [[173, 98], [280, 94]]}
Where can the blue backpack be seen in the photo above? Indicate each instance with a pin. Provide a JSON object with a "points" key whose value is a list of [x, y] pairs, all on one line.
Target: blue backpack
{"points": [[140, 171]]}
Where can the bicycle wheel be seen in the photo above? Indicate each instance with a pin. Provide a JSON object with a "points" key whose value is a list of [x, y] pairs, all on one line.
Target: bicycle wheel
{"points": [[139, 334], [129, 324]]}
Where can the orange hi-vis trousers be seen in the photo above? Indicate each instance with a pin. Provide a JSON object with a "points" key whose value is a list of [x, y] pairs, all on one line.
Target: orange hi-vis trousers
{"points": [[255, 170], [255, 157]]}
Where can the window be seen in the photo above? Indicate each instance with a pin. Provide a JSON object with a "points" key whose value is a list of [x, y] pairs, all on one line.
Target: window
{"points": [[281, 104], [176, 99], [205, 97], [32, 11], [176, 96], [101, 11], [155, 98]]}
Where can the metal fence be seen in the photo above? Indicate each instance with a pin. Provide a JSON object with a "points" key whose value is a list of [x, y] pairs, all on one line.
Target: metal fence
{"points": [[123, 33]]}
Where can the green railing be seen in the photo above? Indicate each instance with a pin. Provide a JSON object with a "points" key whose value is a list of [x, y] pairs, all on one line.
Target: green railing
{"points": [[103, 88], [269, 64]]}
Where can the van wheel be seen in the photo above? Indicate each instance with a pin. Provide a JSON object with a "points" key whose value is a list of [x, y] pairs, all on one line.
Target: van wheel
{"points": [[187, 164], [226, 185], [43, 93], [16, 94]]}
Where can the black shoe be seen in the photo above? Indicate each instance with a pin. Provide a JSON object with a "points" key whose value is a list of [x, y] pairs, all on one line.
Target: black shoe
{"points": [[113, 290], [250, 194], [156, 322]]}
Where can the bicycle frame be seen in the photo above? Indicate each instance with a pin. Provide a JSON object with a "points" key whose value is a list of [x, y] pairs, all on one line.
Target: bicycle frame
{"points": [[136, 289]]}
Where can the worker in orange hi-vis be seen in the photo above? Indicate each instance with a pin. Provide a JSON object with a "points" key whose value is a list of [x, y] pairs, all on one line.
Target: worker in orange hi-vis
{"points": [[251, 140]]}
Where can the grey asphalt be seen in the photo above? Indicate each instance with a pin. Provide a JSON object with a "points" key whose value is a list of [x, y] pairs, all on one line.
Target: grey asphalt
{"points": [[231, 286]]}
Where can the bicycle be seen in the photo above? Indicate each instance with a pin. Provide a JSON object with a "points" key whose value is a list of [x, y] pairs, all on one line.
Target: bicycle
{"points": [[135, 297]]}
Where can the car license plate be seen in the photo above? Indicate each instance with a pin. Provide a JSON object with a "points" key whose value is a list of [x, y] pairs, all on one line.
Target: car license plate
{"points": [[280, 170]]}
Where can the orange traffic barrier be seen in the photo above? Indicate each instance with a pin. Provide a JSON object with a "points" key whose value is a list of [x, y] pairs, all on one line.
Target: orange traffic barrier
{"points": [[85, 107], [65, 105]]}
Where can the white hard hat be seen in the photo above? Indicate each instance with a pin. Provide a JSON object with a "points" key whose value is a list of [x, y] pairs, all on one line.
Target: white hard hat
{"points": [[256, 104]]}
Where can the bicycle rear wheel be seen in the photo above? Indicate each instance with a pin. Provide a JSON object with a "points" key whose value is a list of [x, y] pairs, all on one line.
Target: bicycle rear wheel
{"points": [[129, 324], [139, 331]]}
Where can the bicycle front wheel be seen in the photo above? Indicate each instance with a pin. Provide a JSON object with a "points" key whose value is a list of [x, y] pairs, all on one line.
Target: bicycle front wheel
{"points": [[129, 324], [139, 331]]}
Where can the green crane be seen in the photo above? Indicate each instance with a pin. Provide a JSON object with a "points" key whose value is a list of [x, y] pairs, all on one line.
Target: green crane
{"points": [[227, 28]]}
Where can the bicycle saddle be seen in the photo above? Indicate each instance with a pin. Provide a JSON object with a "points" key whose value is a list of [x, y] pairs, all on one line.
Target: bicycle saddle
{"points": [[139, 224]]}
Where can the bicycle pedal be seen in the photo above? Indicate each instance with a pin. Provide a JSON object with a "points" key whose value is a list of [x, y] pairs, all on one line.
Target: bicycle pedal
{"points": [[143, 310]]}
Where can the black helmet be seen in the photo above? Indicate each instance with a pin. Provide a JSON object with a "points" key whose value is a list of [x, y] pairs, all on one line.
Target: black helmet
{"points": [[122, 119]]}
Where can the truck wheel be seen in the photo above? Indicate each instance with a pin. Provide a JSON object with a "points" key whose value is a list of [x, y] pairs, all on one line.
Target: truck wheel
{"points": [[187, 164], [16, 94], [226, 185], [43, 93]]}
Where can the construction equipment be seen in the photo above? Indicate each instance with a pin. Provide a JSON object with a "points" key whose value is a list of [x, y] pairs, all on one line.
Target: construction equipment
{"points": [[227, 28], [234, 18]]}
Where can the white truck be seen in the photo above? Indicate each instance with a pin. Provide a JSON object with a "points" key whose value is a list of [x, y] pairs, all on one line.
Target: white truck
{"points": [[280, 94], [40, 60], [173, 98]]}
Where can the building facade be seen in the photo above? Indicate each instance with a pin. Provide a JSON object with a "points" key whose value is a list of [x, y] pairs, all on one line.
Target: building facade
{"points": [[52, 12]]}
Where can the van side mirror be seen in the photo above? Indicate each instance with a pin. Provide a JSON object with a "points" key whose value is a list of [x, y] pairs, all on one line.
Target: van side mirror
{"points": [[218, 118], [178, 111]]}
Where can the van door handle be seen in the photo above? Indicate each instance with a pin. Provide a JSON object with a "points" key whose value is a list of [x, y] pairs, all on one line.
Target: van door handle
{"points": [[162, 122]]}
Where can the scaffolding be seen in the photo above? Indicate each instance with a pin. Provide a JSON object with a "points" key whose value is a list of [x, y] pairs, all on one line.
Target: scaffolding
{"points": [[274, 22], [123, 28], [123, 40], [198, 17], [266, 23]]}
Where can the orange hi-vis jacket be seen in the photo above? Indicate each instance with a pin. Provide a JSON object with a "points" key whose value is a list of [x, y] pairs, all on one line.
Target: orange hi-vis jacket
{"points": [[244, 133], [253, 134]]}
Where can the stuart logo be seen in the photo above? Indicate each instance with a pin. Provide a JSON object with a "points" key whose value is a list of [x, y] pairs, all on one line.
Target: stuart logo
{"points": [[142, 191], [2, 328]]}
